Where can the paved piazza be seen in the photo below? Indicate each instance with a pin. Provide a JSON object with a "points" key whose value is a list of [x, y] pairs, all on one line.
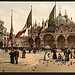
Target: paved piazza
{"points": [[34, 63]]}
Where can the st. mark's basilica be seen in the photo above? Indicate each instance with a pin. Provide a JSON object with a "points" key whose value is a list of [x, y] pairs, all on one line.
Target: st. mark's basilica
{"points": [[63, 38], [65, 34]]}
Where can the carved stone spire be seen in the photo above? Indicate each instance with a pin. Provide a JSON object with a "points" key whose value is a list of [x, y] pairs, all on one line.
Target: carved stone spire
{"points": [[65, 14], [43, 21], [35, 24], [71, 18], [60, 11]]}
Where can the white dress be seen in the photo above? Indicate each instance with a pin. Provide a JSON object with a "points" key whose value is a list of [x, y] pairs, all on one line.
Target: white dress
{"points": [[46, 56]]}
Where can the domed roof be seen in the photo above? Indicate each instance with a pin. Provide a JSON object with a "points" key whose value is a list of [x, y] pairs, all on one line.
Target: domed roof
{"points": [[62, 20], [72, 23]]}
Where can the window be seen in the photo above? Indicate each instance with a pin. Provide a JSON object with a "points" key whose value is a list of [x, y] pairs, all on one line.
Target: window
{"points": [[1, 29], [5, 31]]}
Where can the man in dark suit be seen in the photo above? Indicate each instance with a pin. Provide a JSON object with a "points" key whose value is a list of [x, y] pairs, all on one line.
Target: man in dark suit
{"points": [[11, 56], [16, 53]]}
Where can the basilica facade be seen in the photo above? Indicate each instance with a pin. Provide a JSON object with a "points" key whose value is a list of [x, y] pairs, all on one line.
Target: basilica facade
{"points": [[64, 36]]}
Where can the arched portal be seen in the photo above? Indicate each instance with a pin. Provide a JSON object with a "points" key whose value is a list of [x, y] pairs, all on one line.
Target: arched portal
{"points": [[1, 44], [30, 40], [37, 42], [49, 40], [61, 42], [71, 41]]}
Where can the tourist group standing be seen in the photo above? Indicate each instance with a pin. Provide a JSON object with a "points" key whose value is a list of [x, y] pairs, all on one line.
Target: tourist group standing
{"points": [[14, 56], [68, 54]]}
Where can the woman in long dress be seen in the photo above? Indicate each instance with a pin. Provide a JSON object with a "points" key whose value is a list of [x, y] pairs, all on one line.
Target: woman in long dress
{"points": [[45, 56], [54, 54]]}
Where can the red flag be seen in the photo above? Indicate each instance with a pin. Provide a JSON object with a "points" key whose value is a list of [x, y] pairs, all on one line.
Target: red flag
{"points": [[21, 32], [40, 30], [42, 27], [27, 25], [11, 31], [10, 37]]}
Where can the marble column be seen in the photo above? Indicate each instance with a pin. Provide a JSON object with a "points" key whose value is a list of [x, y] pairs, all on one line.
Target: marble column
{"points": [[56, 44], [66, 43]]}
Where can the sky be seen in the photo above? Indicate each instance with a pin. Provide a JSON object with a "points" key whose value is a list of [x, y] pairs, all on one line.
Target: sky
{"points": [[40, 11]]}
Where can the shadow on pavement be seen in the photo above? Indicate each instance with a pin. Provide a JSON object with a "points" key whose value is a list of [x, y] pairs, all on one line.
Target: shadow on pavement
{"points": [[6, 62]]}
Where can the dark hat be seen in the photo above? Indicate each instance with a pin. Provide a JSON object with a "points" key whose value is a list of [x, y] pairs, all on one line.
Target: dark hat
{"points": [[59, 54]]}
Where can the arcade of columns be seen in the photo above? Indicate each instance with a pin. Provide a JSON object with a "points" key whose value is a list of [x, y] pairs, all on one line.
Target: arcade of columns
{"points": [[62, 41]]}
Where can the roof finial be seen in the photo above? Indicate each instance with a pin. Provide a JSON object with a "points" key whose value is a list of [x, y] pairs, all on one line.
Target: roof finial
{"points": [[59, 11], [43, 21], [65, 14], [71, 18], [35, 23]]}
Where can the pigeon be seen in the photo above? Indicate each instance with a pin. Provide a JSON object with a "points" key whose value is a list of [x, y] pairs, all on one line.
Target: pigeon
{"points": [[39, 61], [50, 61], [68, 65], [58, 64], [3, 70], [33, 69], [25, 64]]}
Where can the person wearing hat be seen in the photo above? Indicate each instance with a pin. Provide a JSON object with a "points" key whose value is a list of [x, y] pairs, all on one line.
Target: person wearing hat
{"points": [[12, 56], [23, 54], [6, 50], [48, 54], [72, 52], [45, 56], [54, 54], [29, 50], [60, 57], [16, 53]]}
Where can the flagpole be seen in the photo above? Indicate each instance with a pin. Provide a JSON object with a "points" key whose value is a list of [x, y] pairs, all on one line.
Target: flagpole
{"points": [[55, 24], [11, 28], [31, 26], [24, 41]]}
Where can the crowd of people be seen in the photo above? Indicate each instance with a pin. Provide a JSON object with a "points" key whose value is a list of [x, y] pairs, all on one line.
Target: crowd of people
{"points": [[14, 55], [68, 54]]}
